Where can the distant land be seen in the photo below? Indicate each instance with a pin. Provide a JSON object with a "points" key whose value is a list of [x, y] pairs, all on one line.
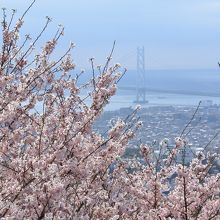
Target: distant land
{"points": [[191, 81], [166, 88]]}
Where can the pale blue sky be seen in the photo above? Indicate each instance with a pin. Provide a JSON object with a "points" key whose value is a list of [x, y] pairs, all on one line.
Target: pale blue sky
{"points": [[176, 33]]}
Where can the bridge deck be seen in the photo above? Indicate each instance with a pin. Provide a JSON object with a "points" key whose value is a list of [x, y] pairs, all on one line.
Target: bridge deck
{"points": [[181, 92]]}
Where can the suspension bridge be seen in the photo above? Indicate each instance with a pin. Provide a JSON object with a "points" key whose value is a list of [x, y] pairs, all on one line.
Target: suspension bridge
{"points": [[142, 89]]}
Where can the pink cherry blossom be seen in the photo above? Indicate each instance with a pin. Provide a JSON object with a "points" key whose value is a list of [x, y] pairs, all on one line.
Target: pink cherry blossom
{"points": [[54, 165]]}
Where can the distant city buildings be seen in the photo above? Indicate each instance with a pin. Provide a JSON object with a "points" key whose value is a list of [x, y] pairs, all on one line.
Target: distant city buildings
{"points": [[161, 122]]}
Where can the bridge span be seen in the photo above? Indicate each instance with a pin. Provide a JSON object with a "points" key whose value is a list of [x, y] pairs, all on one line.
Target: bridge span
{"points": [[169, 91]]}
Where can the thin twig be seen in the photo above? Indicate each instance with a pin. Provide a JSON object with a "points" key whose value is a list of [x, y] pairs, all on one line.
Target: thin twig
{"points": [[109, 57], [190, 121], [93, 72], [213, 138], [27, 9]]}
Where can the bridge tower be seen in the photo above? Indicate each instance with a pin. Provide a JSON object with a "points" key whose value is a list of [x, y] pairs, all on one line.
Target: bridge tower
{"points": [[141, 78]]}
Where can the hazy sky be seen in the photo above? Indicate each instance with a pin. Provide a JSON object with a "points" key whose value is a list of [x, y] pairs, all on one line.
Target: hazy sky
{"points": [[175, 33]]}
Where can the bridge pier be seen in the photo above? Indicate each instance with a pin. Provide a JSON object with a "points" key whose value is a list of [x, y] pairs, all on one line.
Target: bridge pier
{"points": [[141, 96]]}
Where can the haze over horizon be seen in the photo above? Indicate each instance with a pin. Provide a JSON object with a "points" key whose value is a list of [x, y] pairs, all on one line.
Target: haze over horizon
{"points": [[176, 34]]}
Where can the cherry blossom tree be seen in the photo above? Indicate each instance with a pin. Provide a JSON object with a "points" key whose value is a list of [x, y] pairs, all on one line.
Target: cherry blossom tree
{"points": [[53, 165]]}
